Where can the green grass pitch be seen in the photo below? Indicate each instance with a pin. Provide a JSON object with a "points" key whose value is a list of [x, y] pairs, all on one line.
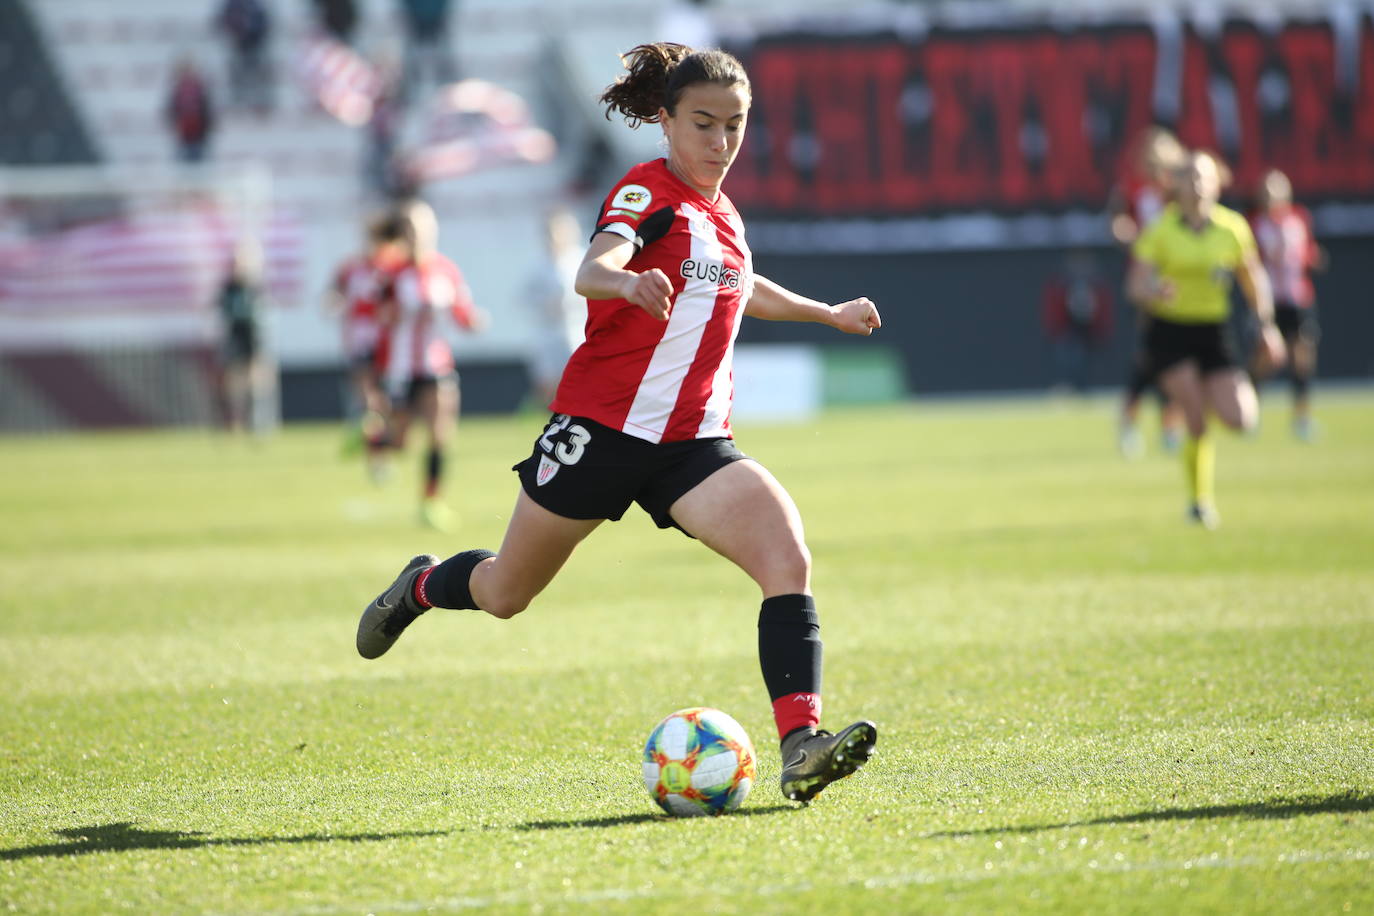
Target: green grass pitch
{"points": [[1085, 704]]}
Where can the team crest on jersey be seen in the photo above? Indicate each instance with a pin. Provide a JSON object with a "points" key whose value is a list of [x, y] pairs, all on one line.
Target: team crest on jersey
{"points": [[547, 469], [634, 197]]}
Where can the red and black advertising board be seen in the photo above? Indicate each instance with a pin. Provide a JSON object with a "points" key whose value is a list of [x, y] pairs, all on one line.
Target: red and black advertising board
{"points": [[918, 134]]}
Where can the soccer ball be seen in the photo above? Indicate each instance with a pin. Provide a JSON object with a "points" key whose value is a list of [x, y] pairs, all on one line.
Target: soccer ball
{"points": [[698, 761]]}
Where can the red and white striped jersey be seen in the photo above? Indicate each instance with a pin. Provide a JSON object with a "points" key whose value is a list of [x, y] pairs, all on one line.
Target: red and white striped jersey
{"points": [[415, 346], [361, 281], [665, 381], [1288, 250]]}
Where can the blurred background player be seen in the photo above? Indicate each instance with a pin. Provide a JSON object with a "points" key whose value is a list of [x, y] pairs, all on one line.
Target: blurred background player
{"points": [[1135, 203], [1076, 309], [359, 283], [1283, 232], [246, 381], [416, 361], [1181, 276], [560, 313]]}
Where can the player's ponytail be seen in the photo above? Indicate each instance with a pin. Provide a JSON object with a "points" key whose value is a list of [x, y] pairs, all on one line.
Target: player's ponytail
{"points": [[656, 74]]}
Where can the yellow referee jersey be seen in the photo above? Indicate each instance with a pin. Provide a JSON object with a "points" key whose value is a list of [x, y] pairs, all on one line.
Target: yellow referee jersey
{"points": [[1199, 265]]}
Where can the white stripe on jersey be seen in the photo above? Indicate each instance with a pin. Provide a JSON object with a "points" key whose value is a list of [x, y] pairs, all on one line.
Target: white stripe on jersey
{"points": [[722, 396], [419, 296], [677, 349]]}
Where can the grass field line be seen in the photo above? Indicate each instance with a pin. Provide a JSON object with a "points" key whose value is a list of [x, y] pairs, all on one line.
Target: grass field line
{"points": [[901, 879]]}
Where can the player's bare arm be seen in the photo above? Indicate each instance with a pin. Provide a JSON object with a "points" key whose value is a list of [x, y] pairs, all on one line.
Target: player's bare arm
{"points": [[603, 276], [776, 303], [1254, 284], [1145, 287]]}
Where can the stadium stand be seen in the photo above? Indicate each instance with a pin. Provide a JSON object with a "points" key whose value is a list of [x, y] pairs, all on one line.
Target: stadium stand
{"points": [[41, 125], [116, 61]]}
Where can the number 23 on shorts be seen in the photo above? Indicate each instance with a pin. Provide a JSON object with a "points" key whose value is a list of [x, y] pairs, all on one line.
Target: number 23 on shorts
{"points": [[570, 451]]}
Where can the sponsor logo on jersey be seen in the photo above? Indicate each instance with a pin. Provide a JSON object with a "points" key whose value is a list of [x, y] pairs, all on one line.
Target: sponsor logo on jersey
{"points": [[626, 213], [711, 272], [634, 197], [547, 468]]}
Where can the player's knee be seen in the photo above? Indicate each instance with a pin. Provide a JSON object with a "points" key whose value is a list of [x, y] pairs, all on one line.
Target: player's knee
{"points": [[506, 606], [1245, 419], [790, 567]]}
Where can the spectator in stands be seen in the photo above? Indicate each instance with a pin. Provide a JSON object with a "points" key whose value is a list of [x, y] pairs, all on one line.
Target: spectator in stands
{"points": [[427, 46], [338, 18], [1077, 313], [189, 111], [382, 168], [245, 379], [246, 25]]}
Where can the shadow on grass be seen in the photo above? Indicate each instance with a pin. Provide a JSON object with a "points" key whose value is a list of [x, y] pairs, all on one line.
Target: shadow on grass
{"points": [[125, 836], [1273, 809], [640, 819]]}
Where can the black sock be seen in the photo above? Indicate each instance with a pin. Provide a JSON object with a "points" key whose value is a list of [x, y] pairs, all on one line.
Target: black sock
{"points": [[434, 471], [790, 656], [446, 585]]}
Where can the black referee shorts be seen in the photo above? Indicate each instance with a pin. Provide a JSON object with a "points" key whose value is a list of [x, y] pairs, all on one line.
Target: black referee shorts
{"points": [[582, 469], [1208, 345]]}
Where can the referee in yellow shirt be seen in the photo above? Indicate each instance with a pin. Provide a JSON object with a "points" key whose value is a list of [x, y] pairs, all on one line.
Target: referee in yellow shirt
{"points": [[1181, 277]]}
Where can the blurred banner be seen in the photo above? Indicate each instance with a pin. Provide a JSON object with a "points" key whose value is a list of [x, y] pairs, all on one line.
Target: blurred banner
{"points": [[469, 125], [472, 125], [905, 134], [169, 259]]}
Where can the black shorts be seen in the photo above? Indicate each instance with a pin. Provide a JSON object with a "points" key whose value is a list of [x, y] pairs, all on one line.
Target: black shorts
{"points": [[241, 343], [365, 361], [420, 385], [582, 469], [1209, 345], [1297, 323]]}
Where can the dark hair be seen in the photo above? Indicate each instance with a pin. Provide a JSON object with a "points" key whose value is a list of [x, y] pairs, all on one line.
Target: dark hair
{"points": [[658, 73], [386, 227]]}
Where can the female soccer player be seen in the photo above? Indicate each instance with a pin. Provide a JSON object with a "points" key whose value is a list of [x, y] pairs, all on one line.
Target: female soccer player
{"points": [[642, 411], [1181, 275], [416, 362], [359, 282], [1283, 231], [1135, 203]]}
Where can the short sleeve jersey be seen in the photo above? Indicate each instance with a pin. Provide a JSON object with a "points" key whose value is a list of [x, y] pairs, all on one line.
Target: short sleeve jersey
{"points": [[665, 381], [1144, 199], [1199, 265], [1288, 250], [415, 346]]}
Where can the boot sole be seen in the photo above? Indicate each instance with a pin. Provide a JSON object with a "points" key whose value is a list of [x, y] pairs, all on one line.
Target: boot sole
{"points": [[852, 750]]}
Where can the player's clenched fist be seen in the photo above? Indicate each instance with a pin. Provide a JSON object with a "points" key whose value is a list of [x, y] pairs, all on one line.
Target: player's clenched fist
{"points": [[857, 316], [650, 291]]}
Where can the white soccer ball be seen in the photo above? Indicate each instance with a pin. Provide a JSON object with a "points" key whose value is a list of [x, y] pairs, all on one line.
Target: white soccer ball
{"points": [[698, 761]]}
